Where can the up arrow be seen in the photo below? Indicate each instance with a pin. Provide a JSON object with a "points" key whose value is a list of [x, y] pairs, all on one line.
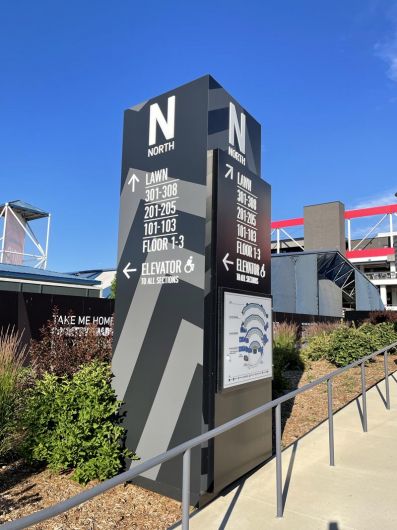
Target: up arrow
{"points": [[229, 172], [227, 262], [132, 181], [127, 270]]}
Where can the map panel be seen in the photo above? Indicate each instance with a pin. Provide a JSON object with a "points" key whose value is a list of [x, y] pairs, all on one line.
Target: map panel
{"points": [[247, 338]]}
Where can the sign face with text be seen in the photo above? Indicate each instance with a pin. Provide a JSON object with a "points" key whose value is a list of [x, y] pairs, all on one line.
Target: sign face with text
{"points": [[243, 220], [163, 192]]}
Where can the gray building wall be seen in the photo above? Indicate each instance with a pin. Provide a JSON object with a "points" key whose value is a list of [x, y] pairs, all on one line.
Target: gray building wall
{"points": [[299, 286], [329, 299], [325, 227], [367, 295], [295, 284]]}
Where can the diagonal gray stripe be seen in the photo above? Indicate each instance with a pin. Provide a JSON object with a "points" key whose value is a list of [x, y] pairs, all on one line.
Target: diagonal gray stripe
{"points": [[129, 344], [139, 106], [192, 198], [140, 313], [185, 355]]}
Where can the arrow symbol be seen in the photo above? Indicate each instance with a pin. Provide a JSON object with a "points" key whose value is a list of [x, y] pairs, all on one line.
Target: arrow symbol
{"points": [[132, 181], [227, 262], [229, 172], [127, 270]]}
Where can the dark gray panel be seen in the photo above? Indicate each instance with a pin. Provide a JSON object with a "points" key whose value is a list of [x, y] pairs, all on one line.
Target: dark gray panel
{"points": [[10, 286], [306, 284], [330, 299], [367, 295], [246, 446], [56, 289], [31, 288], [283, 284]]}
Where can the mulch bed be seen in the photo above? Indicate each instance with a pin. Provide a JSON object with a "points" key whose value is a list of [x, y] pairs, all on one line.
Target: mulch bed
{"points": [[307, 410], [25, 489]]}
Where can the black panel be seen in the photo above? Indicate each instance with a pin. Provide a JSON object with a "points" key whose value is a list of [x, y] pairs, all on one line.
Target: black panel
{"points": [[30, 311]]}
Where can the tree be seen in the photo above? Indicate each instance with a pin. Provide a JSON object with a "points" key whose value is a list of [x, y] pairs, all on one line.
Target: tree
{"points": [[113, 288]]}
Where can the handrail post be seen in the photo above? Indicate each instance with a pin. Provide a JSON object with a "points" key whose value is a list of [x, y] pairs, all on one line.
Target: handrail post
{"points": [[279, 473], [385, 361], [186, 489], [330, 424], [364, 397]]}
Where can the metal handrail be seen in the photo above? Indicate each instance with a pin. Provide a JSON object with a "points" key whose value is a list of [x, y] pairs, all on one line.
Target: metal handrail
{"points": [[186, 447]]}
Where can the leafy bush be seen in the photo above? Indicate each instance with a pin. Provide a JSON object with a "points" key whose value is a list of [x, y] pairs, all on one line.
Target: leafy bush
{"points": [[113, 288], [285, 351], [348, 344], [61, 351], [13, 382], [318, 346], [73, 424], [382, 334]]}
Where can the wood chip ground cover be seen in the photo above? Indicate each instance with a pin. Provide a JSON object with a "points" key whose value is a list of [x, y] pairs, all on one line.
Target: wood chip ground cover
{"points": [[24, 489]]}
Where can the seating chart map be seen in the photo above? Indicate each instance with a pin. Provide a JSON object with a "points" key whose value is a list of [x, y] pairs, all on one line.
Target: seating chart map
{"points": [[247, 339]]}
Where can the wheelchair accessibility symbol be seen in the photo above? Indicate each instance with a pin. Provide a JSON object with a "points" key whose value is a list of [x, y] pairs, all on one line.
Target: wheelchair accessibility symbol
{"points": [[189, 265]]}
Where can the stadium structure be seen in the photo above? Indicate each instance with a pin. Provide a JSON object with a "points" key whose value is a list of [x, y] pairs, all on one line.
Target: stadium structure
{"points": [[329, 226]]}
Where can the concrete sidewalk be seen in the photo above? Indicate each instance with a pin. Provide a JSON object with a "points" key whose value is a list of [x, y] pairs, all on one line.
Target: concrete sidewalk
{"points": [[359, 493]]}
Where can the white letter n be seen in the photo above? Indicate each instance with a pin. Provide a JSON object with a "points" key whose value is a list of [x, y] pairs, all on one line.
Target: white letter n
{"points": [[236, 128], [157, 117]]}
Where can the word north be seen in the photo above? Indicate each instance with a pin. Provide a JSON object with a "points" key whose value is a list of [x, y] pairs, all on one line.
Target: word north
{"points": [[156, 177]]}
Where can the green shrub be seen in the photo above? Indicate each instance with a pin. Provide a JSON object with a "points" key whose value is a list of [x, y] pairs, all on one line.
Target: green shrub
{"points": [[348, 344], [285, 351], [318, 346], [382, 334], [73, 424], [113, 288], [14, 380]]}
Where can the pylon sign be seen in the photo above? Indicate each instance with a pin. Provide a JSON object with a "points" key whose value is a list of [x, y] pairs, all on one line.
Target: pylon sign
{"points": [[166, 351]]}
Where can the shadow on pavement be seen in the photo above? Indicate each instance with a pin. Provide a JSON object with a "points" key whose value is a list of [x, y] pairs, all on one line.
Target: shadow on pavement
{"points": [[360, 410], [289, 473], [230, 509], [381, 395]]}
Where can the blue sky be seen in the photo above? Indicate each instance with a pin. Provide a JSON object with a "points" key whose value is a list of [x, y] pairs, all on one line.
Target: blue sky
{"points": [[321, 77]]}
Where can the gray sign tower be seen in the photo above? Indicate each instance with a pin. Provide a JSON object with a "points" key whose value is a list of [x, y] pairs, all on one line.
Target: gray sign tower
{"points": [[192, 345]]}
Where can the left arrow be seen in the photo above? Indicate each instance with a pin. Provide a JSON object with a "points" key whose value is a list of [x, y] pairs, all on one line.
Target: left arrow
{"points": [[227, 262], [127, 270], [132, 181]]}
